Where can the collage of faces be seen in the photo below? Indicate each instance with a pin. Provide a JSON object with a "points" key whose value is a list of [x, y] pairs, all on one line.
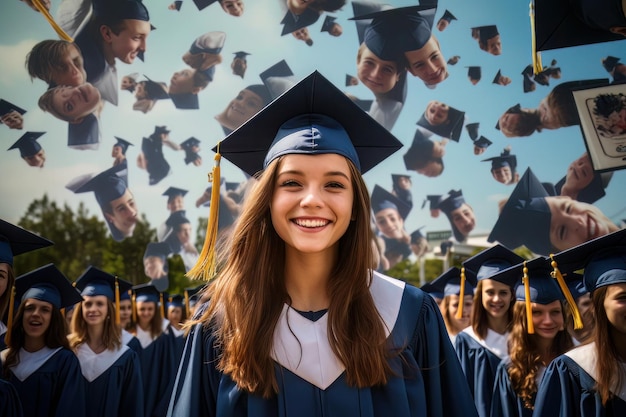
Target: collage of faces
{"points": [[120, 106]]}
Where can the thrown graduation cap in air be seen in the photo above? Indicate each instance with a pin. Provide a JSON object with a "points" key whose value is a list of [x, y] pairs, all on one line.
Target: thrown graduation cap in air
{"points": [[291, 22], [178, 4], [482, 142], [28, 144], [564, 23], [277, 79], [84, 135], [486, 32], [453, 60], [15, 241], [609, 63], [241, 54], [472, 130], [592, 192], [47, 284], [313, 117], [505, 159], [329, 22], [474, 73], [123, 144], [172, 192], [155, 90], [189, 144], [448, 16], [107, 186], [448, 203], [496, 79], [417, 235], [525, 218], [157, 249], [449, 283], [451, 128], [7, 107], [490, 261], [383, 199]]}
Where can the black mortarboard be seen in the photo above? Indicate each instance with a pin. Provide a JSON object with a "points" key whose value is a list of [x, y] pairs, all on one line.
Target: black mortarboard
{"points": [[472, 130], [449, 283], [591, 193], [329, 21], [383, 199], [176, 219], [474, 73], [350, 80], [95, 282], [608, 63], [201, 4], [448, 204], [486, 32], [482, 142], [313, 117], [433, 202], [7, 107], [185, 101], [503, 160], [122, 143], [155, 90], [121, 10], [417, 234], [241, 54], [525, 218], [161, 129], [141, 55], [564, 23], [291, 22], [178, 4], [157, 249], [47, 284], [397, 177], [529, 84], [432, 291], [490, 261], [496, 79], [27, 144], [448, 16], [188, 144], [15, 240], [260, 90], [108, 185], [146, 293], [450, 129], [277, 79], [543, 288], [85, 133], [576, 285], [172, 192]]}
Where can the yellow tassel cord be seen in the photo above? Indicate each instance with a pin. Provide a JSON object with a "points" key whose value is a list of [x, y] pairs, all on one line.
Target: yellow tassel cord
{"points": [[529, 307], [537, 66], [186, 303], [118, 319], [578, 322], [7, 337], [42, 9], [206, 266], [459, 312], [134, 307], [162, 306]]}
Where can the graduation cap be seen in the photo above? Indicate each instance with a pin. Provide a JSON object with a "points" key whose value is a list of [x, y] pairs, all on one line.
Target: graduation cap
{"points": [[433, 202], [448, 204], [190, 143], [525, 218], [528, 84], [453, 60], [155, 90], [84, 134], [609, 63], [94, 282], [564, 23], [450, 129], [432, 291], [448, 16], [488, 262], [417, 235], [592, 192], [576, 285], [472, 130], [7, 107], [185, 101], [27, 144], [176, 219], [15, 240], [159, 130], [178, 4], [241, 54], [121, 10], [505, 159], [383, 199], [313, 117], [351, 80], [291, 22], [486, 32], [202, 4], [329, 22], [47, 284], [210, 43], [124, 144], [395, 31], [141, 55], [397, 177], [482, 142], [277, 79], [449, 283], [157, 249], [496, 79], [147, 293], [172, 192], [474, 73]]}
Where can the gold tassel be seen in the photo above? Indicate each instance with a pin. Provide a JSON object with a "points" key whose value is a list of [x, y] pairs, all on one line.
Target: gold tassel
{"points": [[537, 66], [206, 266], [42, 9], [7, 338], [118, 319], [162, 306], [459, 311], [578, 322], [134, 307], [529, 308], [187, 304]]}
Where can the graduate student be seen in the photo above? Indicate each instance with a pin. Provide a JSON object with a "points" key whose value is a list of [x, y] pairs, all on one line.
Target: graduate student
{"points": [[483, 345], [279, 337], [589, 381], [10, 405], [13, 242], [38, 361], [111, 368], [538, 335]]}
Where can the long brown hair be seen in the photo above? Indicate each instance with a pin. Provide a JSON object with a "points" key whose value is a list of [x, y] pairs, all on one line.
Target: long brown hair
{"points": [[248, 295], [156, 324], [608, 372], [54, 337], [525, 356], [479, 319], [4, 299], [111, 337]]}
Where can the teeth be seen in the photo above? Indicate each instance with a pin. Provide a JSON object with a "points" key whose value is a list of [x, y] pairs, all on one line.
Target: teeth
{"points": [[311, 223]]}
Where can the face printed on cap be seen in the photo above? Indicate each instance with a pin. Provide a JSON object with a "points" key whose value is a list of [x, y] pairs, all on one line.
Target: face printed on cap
{"points": [[428, 63], [378, 75]]}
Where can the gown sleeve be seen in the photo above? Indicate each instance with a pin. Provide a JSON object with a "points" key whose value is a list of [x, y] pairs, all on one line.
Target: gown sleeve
{"points": [[10, 405], [72, 385]]}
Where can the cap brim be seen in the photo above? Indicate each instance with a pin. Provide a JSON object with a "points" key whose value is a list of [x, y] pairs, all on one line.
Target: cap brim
{"points": [[577, 257], [247, 146], [21, 240]]}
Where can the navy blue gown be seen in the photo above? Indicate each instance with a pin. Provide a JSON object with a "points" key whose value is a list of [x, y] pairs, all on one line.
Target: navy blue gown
{"points": [[56, 388], [505, 402], [312, 382], [10, 405], [114, 386], [568, 390]]}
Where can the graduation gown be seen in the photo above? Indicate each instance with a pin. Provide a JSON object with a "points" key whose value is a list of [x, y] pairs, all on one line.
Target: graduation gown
{"points": [[505, 402], [131, 341], [114, 386], [311, 380], [49, 383], [479, 364], [567, 388], [156, 165], [10, 405], [3, 333]]}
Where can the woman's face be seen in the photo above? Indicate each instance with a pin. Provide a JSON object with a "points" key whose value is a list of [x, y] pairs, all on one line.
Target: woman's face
{"points": [[95, 310], [579, 175], [37, 317], [436, 112], [74, 103], [615, 307], [573, 222], [453, 308], [175, 314], [126, 311], [145, 312], [548, 319], [4, 277], [496, 298]]}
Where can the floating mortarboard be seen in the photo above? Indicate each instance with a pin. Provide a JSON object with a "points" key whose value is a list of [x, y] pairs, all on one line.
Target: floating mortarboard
{"points": [[202, 4], [496, 79], [85, 134], [528, 84], [122, 143], [417, 234], [449, 283], [564, 23], [178, 4], [505, 159], [450, 129], [448, 16], [27, 144], [433, 201], [47, 284], [486, 32], [241, 54], [329, 22], [190, 143], [121, 10], [155, 90], [592, 192], [185, 101], [365, 8], [172, 192], [146, 293], [474, 73], [177, 218], [210, 43], [482, 142], [448, 204], [397, 177], [15, 240], [608, 63], [291, 22], [525, 218], [95, 281], [313, 117], [158, 130], [490, 261], [472, 130], [7, 107], [157, 249], [277, 79], [383, 199]]}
